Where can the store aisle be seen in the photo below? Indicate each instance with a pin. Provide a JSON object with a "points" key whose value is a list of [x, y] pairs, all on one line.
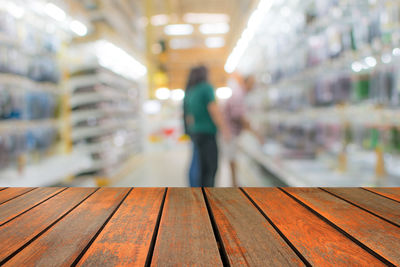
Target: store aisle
{"points": [[168, 168]]}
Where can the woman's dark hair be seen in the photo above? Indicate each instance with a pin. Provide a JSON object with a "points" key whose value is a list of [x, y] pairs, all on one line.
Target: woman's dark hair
{"points": [[197, 75]]}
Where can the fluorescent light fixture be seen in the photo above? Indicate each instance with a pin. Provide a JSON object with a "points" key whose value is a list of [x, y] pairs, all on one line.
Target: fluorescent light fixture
{"points": [[182, 43], [214, 28], [252, 26], [78, 28], [386, 58], [15, 10], [357, 66], [119, 61], [200, 18], [55, 12], [224, 92], [163, 93], [178, 29], [152, 107], [215, 42], [177, 95], [370, 61], [159, 20]]}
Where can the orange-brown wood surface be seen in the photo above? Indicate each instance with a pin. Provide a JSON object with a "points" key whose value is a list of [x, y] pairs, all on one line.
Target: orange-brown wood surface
{"points": [[18, 205], [247, 236], [390, 192], [374, 203], [16, 233], [125, 241], [78, 228], [7, 195], [185, 235], [378, 235], [317, 241], [199, 226]]}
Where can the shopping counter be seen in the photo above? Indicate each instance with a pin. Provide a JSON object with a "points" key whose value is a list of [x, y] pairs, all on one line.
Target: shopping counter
{"points": [[195, 226]]}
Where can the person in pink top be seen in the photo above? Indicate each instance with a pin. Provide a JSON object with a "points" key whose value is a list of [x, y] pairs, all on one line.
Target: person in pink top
{"points": [[235, 115]]}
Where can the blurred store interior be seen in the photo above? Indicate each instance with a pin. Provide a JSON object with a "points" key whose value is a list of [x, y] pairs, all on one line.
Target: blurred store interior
{"points": [[91, 91]]}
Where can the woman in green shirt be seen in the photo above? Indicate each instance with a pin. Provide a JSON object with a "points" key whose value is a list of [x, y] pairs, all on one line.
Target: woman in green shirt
{"points": [[204, 119]]}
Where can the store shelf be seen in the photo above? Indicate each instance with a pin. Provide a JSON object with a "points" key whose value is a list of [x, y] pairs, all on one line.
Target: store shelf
{"points": [[22, 124], [26, 83], [48, 172], [316, 172]]}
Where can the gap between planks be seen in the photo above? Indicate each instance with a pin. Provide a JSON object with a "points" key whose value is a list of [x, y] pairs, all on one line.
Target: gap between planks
{"points": [[41, 202], [358, 206], [100, 229], [359, 243], [155, 232], [380, 194], [304, 260], [217, 235], [46, 229]]}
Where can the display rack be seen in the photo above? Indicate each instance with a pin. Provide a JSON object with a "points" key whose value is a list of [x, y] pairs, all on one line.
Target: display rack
{"points": [[328, 91], [105, 118], [31, 143]]}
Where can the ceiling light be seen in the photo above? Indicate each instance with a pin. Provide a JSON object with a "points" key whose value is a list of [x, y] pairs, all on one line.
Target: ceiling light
{"points": [[252, 26], [182, 43], [163, 93], [386, 58], [78, 27], [15, 11], [215, 42], [396, 51], [55, 12], [152, 107], [357, 66], [159, 20], [214, 28], [199, 18], [370, 61], [177, 95], [118, 60], [224, 92], [178, 29]]}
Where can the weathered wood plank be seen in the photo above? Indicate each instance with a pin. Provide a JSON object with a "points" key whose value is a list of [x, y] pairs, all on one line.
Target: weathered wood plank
{"points": [[64, 242], [12, 193], [22, 229], [20, 204], [247, 236], [185, 236], [317, 241], [375, 233], [386, 208], [390, 192], [125, 240]]}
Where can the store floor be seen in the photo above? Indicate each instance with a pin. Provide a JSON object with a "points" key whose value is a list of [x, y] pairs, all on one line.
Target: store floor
{"points": [[168, 167]]}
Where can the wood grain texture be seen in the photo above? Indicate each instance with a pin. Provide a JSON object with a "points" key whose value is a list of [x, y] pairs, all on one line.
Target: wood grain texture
{"points": [[185, 236], [12, 193], [386, 208], [63, 243], [317, 241], [22, 229], [248, 238], [125, 240], [375, 233], [20, 204], [390, 192]]}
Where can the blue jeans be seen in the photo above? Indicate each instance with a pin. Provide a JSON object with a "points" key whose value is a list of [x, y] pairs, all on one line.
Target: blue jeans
{"points": [[194, 170]]}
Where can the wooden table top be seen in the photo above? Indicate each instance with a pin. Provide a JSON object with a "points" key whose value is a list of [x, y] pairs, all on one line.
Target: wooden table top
{"points": [[195, 226]]}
